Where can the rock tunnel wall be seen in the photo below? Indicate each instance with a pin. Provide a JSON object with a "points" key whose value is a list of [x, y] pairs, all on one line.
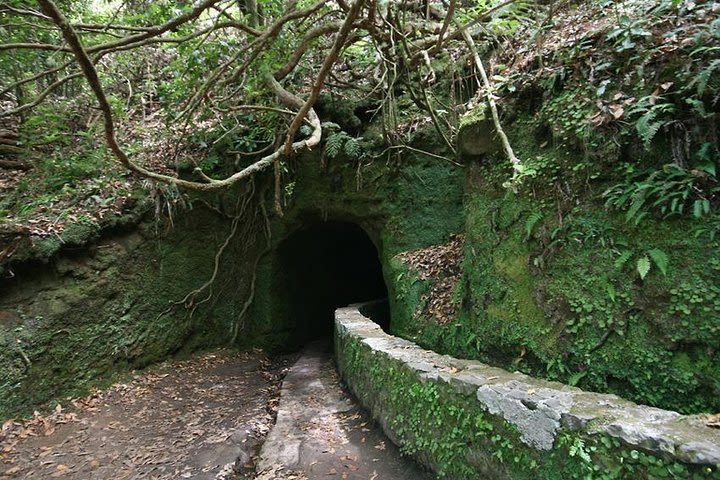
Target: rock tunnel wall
{"points": [[96, 309], [393, 207], [318, 268], [467, 420]]}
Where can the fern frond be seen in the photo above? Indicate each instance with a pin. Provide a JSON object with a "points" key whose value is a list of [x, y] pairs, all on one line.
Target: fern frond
{"points": [[530, 223], [660, 259], [647, 127], [352, 148], [622, 259], [643, 266], [704, 76], [334, 144]]}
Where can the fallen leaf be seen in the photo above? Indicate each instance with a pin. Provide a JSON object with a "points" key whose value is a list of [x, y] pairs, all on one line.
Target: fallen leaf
{"points": [[713, 421]]}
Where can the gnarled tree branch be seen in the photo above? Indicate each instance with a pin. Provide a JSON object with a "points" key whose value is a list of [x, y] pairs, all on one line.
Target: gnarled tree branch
{"points": [[88, 69]]}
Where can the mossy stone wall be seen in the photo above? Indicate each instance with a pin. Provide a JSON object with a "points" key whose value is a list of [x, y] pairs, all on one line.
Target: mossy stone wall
{"points": [[412, 202], [466, 420]]}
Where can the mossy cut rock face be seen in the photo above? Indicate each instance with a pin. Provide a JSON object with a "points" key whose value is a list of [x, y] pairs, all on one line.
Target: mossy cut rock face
{"points": [[74, 322], [89, 312], [477, 137], [548, 297]]}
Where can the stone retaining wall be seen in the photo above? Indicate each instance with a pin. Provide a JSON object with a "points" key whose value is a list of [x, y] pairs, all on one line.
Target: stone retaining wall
{"points": [[464, 419]]}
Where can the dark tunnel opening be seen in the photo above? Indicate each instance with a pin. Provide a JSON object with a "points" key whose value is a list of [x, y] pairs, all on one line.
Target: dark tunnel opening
{"points": [[326, 266]]}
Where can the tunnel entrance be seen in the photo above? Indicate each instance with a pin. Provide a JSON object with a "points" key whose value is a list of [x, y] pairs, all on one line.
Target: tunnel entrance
{"points": [[323, 267]]}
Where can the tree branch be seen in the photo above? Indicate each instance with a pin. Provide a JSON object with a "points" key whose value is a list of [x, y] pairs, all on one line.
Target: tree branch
{"points": [[330, 60], [88, 69], [491, 101]]}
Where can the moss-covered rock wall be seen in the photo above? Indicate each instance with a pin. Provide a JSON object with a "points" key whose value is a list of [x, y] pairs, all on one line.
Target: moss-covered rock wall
{"points": [[76, 312], [551, 284], [74, 321], [409, 201]]}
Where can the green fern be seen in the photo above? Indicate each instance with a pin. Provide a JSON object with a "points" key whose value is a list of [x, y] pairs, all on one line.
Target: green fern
{"points": [[649, 124], [653, 111], [352, 148], [334, 144], [643, 263], [660, 259], [670, 191], [530, 223], [704, 76], [643, 266], [622, 259], [340, 142]]}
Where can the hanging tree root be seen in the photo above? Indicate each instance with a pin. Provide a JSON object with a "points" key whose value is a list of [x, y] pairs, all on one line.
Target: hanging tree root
{"points": [[240, 321], [190, 300], [517, 166]]}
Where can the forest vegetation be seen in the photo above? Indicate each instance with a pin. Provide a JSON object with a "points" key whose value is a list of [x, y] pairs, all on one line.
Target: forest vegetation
{"points": [[587, 132]]}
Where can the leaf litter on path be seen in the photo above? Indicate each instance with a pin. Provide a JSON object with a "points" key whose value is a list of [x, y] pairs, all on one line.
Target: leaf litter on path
{"points": [[202, 418]]}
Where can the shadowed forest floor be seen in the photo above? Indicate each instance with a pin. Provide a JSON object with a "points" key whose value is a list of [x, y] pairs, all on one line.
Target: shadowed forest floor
{"points": [[202, 418]]}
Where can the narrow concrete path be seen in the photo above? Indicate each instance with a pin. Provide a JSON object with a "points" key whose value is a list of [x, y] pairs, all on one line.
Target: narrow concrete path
{"points": [[320, 432]]}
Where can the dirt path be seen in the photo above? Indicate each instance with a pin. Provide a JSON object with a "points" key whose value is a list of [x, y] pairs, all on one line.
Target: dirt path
{"points": [[205, 419], [320, 432], [202, 419]]}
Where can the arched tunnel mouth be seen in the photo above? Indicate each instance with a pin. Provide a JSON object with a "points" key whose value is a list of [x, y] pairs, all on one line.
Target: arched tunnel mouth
{"points": [[325, 266]]}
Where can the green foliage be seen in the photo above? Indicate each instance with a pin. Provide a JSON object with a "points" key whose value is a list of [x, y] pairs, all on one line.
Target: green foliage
{"points": [[695, 303], [567, 114], [652, 114], [531, 221], [666, 192], [604, 458], [643, 266], [586, 229], [659, 258], [709, 228], [540, 169], [339, 142], [627, 31], [702, 79], [61, 173]]}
